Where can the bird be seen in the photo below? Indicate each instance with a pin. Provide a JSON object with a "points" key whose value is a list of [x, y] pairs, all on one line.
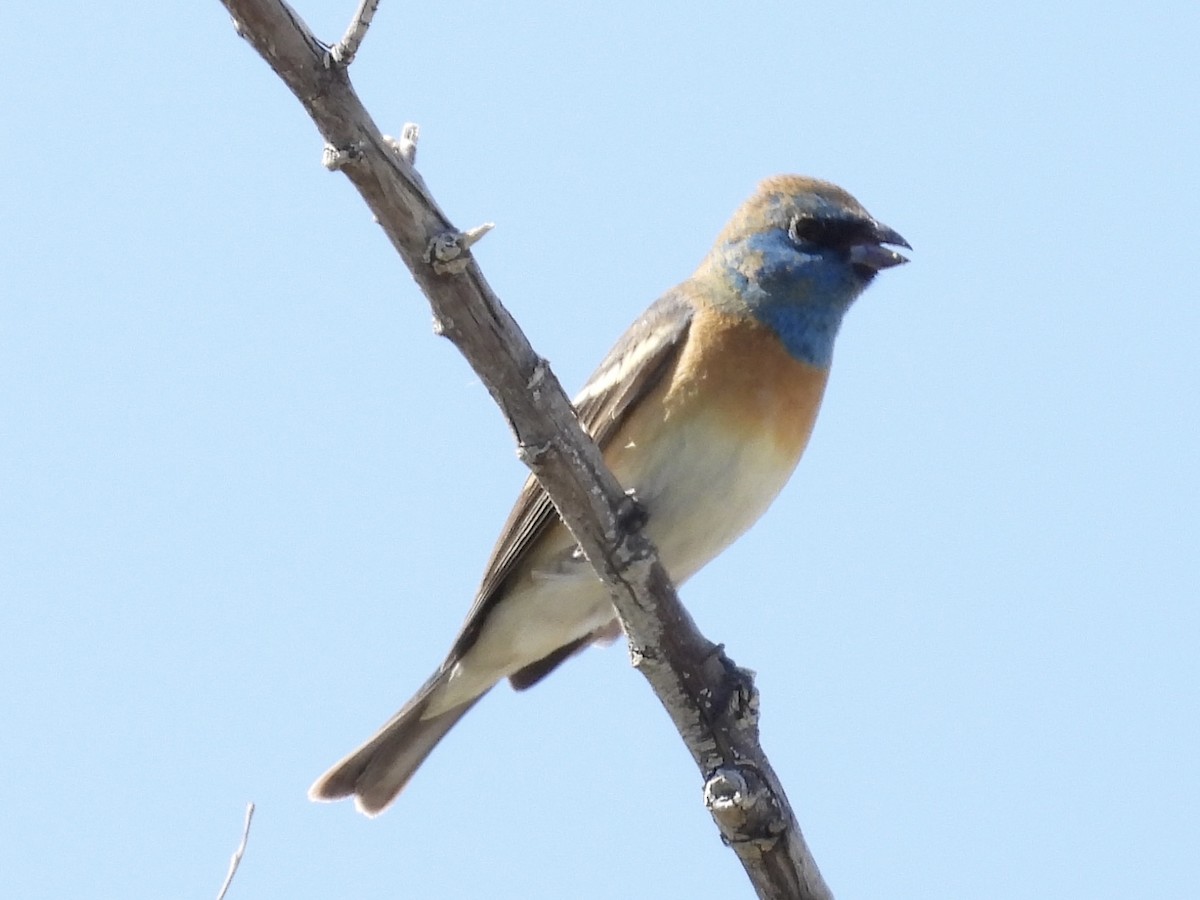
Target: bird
{"points": [[701, 410]]}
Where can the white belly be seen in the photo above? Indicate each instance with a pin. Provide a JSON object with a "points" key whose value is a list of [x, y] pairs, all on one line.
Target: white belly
{"points": [[700, 492]]}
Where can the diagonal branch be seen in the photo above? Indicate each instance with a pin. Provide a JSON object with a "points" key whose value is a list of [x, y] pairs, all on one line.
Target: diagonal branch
{"points": [[712, 702]]}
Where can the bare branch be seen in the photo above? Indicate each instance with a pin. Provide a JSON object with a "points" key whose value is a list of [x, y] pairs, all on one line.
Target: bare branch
{"points": [[712, 703], [236, 859]]}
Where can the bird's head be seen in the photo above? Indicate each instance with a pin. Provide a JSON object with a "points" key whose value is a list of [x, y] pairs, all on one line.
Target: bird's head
{"points": [[798, 253]]}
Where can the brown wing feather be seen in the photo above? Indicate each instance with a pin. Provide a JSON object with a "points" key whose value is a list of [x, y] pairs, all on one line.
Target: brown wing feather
{"points": [[632, 368]]}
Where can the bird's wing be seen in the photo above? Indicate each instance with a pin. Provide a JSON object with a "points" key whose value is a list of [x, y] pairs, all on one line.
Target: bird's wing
{"points": [[637, 363]]}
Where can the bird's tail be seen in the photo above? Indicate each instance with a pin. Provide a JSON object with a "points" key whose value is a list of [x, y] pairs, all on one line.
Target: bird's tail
{"points": [[378, 770]]}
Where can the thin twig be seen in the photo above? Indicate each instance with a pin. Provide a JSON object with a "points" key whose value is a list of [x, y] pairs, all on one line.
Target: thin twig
{"points": [[342, 53], [236, 859]]}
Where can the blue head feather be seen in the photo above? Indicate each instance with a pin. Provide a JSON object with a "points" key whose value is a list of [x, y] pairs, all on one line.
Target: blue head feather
{"points": [[796, 256]]}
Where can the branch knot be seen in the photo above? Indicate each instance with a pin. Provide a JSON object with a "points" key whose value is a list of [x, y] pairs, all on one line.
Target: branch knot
{"points": [[447, 252], [533, 454], [335, 158], [743, 807]]}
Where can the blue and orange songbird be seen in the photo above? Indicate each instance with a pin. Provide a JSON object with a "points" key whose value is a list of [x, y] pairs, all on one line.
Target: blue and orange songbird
{"points": [[702, 410]]}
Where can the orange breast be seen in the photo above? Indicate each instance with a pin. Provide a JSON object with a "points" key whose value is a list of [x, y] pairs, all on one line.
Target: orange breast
{"points": [[736, 370], [710, 448]]}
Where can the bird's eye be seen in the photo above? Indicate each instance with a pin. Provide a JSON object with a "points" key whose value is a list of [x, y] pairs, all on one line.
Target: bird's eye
{"points": [[824, 232], [806, 228]]}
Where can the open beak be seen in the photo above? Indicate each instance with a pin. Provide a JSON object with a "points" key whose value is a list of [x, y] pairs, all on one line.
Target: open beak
{"points": [[873, 256]]}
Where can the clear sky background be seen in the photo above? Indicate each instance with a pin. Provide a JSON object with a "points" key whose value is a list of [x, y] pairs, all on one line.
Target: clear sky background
{"points": [[246, 495]]}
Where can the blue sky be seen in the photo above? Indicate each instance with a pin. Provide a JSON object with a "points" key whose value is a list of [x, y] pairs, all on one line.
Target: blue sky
{"points": [[247, 495]]}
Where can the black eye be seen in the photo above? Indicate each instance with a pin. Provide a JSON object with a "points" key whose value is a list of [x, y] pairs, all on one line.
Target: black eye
{"points": [[832, 234]]}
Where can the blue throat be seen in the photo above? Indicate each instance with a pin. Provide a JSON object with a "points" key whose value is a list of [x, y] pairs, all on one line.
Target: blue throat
{"points": [[807, 331], [801, 297]]}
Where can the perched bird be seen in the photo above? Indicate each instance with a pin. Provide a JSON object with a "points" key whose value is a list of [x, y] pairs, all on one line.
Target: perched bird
{"points": [[702, 409]]}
